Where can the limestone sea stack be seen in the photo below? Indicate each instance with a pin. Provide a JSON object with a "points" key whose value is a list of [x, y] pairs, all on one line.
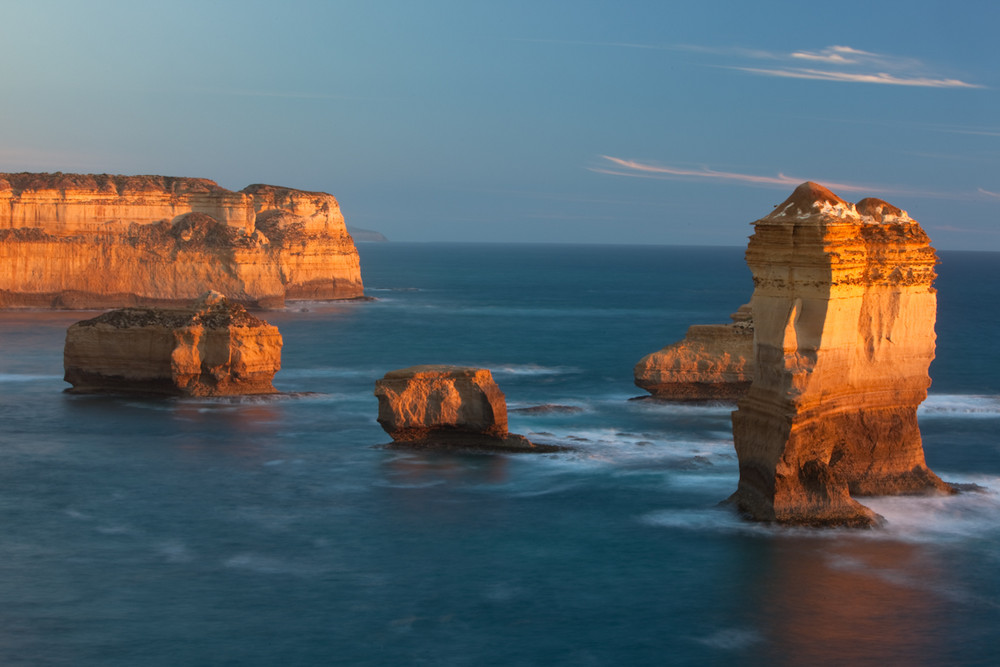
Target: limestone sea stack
{"points": [[714, 362], [214, 347], [102, 241], [452, 406], [844, 313]]}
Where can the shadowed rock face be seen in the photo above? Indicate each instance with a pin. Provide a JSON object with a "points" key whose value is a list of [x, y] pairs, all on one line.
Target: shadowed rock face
{"points": [[844, 317], [98, 241], [714, 362], [212, 348], [445, 405]]}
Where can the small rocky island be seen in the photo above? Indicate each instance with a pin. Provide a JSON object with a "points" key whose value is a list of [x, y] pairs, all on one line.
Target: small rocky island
{"points": [[447, 406], [844, 312], [211, 348], [103, 241], [714, 362]]}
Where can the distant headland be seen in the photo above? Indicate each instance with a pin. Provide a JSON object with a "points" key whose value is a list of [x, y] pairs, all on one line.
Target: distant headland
{"points": [[101, 241]]}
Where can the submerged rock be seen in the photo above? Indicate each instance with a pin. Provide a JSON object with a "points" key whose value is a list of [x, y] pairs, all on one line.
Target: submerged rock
{"points": [[714, 362], [844, 313], [211, 348], [451, 406]]}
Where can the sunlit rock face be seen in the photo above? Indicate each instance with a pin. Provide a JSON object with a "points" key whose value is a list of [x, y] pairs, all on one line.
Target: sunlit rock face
{"points": [[98, 241], [211, 348], [844, 315], [445, 405], [714, 362]]}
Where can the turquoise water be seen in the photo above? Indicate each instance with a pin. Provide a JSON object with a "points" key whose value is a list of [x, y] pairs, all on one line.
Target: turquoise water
{"points": [[271, 531]]}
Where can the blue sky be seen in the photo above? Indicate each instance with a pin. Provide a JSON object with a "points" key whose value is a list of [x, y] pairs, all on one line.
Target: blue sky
{"points": [[596, 122]]}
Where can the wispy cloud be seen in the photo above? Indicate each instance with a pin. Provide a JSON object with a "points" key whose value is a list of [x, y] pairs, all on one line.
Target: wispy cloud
{"points": [[976, 132], [835, 55], [635, 168], [847, 64], [988, 193], [838, 63], [859, 77]]}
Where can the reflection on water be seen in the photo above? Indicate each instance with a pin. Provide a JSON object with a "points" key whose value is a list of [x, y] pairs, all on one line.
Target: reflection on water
{"points": [[852, 602]]}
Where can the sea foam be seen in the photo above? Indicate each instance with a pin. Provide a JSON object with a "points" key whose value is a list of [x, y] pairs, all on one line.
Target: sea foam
{"points": [[960, 405]]}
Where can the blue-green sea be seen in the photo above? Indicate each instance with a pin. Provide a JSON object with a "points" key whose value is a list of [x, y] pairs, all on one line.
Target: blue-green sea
{"points": [[279, 531]]}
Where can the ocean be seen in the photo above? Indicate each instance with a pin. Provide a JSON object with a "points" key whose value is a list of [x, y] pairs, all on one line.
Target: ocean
{"points": [[278, 530]]}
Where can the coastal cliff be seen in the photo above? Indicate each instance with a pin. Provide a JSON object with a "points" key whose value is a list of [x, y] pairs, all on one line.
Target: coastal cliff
{"points": [[844, 313], [714, 362], [98, 241]]}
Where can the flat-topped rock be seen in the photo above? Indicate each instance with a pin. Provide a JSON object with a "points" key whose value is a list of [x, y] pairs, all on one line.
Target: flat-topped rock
{"points": [[100, 241], [451, 406], [844, 312], [714, 362], [211, 348]]}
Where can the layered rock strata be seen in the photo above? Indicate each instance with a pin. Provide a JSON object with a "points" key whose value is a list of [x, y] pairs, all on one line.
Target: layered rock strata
{"points": [[454, 406], [844, 313], [714, 362], [211, 348], [100, 241]]}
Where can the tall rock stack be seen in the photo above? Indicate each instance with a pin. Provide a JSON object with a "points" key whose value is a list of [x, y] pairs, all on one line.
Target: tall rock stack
{"points": [[100, 241], [844, 316]]}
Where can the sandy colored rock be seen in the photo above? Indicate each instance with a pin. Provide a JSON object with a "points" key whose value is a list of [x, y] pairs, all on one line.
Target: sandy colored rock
{"points": [[98, 241], [449, 405], [714, 362], [211, 348], [844, 313]]}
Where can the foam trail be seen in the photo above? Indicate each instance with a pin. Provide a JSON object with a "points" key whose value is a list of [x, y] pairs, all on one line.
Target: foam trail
{"points": [[970, 515], [530, 370], [960, 405], [16, 377]]}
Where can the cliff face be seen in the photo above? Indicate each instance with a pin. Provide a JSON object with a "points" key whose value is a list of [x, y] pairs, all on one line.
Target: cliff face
{"points": [[96, 241], [844, 317], [211, 348], [713, 362]]}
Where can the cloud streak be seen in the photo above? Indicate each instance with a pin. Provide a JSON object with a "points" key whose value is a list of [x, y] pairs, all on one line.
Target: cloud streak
{"points": [[846, 64], [634, 168], [838, 63], [988, 193], [859, 77], [637, 169]]}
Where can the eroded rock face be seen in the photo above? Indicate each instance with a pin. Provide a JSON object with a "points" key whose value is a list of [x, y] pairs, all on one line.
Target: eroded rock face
{"points": [[211, 348], [446, 405], [844, 316], [99, 241], [714, 362]]}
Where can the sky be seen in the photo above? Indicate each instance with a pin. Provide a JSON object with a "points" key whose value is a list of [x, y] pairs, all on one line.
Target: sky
{"points": [[641, 122]]}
